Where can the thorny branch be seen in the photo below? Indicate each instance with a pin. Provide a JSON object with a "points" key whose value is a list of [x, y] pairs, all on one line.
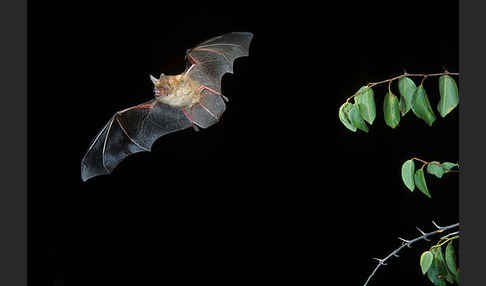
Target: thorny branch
{"points": [[423, 75], [408, 243]]}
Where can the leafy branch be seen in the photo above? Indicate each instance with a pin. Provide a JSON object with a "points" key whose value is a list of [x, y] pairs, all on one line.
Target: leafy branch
{"points": [[441, 267], [355, 115], [408, 243], [405, 74], [412, 178]]}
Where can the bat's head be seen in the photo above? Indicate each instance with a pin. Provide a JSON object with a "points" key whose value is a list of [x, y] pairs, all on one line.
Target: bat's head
{"points": [[161, 85]]}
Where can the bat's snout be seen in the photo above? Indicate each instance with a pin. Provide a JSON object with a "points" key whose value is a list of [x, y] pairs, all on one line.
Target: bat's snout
{"points": [[160, 91]]}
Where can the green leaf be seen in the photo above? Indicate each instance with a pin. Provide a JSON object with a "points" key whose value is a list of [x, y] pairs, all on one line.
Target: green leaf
{"points": [[344, 116], [449, 165], [391, 110], [442, 266], [408, 169], [426, 261], [420, 182], [421, 106], [366, 101], [407, 89], [356, 119], [434, 168], [449, 95], [434, 275], [450, 258]]}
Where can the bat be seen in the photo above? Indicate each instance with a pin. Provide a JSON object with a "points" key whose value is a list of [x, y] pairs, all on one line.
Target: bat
{"points": [[190, 99]]}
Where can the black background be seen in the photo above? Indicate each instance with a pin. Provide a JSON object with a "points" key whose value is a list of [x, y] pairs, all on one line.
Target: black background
{"points": [[277, 191]]}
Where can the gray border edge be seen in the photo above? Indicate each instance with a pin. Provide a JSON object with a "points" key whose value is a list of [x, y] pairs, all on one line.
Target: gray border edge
{"points": [[472, 198], [13, 117]]}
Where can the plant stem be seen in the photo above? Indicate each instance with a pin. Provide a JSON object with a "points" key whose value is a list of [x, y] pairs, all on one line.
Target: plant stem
{"points": [[372, 84], [420, 160], [444, 242], [435, 163]]}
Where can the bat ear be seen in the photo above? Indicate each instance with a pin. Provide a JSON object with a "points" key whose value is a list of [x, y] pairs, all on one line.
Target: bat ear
{"points": [[153, 79]]}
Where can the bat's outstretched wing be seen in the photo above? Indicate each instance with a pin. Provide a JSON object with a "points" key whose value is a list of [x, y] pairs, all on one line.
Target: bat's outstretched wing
{"points": [[129, 131], [206, 64], [210, 60]]}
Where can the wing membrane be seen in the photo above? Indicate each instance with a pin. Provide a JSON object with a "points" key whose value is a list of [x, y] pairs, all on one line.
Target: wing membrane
{"points": [[130, 131], [215, 57]]}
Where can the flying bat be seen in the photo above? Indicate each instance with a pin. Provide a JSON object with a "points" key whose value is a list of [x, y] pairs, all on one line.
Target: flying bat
{"points": [[190, 99]]}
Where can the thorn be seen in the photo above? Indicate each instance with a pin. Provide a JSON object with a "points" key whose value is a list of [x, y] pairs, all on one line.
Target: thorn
{"points": [[396, 255], [405, 242], [423, 233], [436, 225], [380, 261]]}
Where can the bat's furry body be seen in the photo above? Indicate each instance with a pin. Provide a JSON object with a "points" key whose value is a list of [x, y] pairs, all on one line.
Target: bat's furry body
{"points": [[181, 91], [192, 98]]}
